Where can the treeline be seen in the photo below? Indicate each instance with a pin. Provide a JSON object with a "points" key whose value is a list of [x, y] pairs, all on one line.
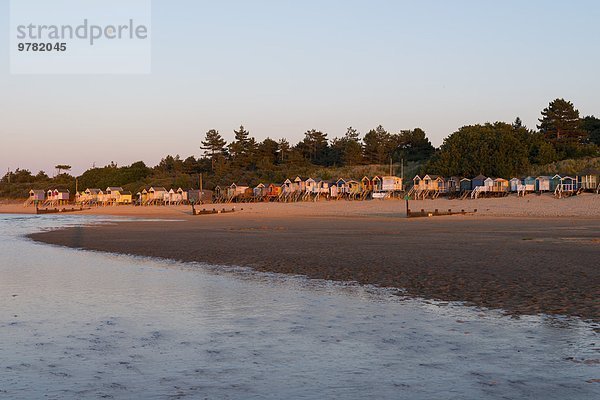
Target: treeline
{"points": [[506, 150], [493, 149]]}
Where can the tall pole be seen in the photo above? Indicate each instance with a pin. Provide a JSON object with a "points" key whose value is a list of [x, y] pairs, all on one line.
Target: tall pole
{"points": [[391, 173], [402, 172]]}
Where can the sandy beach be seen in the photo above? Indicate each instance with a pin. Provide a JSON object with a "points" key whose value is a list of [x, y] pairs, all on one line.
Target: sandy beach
{"points": [[526, 256], [586, 206]]}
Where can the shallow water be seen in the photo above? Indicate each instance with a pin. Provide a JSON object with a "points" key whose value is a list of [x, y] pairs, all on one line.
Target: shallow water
{"points": [[77, 324]]}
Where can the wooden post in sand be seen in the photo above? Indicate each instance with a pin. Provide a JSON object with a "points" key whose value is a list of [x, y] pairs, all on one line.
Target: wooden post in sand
{"points": [[407, 197]]}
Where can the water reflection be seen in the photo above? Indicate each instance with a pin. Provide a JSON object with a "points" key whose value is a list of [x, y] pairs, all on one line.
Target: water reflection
{"points": [[79, 324]]}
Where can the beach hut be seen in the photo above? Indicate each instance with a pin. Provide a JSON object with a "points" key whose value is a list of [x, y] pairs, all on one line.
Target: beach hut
{"points": [[437, 183], [126, 197], [316, 188], [157, 195], [377, 183], [182, 195], [542, 183], [91, 195], [323, 187], [478, 181], [418, 183], [453, 184], [515, 184], [194, 196], [334, 190], [112, 194], [62, 195], [530, 183], [259, 190], [569, 184], [342, 186], [142, 196], [366, 184], [171, 196], [488, 185], [299, 184], [273, 190], [555, 181], [310, 185], [465, 185], [232, 191], [391, 184], [219, 191], [500, 185], [241, 190], [353, 187], [589, 180], [58, 196], [287, 186], [37, 195]]}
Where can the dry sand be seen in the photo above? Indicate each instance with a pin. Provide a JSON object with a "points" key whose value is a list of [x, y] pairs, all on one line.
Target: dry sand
{"points": [[527, 263], [585, 205]]}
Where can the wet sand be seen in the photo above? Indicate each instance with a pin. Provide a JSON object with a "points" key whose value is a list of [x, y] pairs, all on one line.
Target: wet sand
{"points": [[519, 264]]}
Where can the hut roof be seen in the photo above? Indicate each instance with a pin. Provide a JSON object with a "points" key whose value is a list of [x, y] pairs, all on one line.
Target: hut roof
{"points": [[590, 171], [114, 189], [434, 177], [480, 177]]}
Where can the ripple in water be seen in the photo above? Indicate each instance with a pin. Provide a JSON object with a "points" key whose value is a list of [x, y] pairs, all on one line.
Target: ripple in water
{"points": [[77, 324]]}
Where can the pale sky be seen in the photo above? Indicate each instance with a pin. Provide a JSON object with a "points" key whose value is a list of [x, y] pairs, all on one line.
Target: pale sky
{"points": [[283, 67]]}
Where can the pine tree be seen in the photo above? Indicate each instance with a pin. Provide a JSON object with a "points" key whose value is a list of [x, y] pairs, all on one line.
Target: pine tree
{"points": [[591, 125], [352, 148], [213, 145], [377, 146], [315, 146], [283, 150], [560, 122], [518, 123], [238, 149]]}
